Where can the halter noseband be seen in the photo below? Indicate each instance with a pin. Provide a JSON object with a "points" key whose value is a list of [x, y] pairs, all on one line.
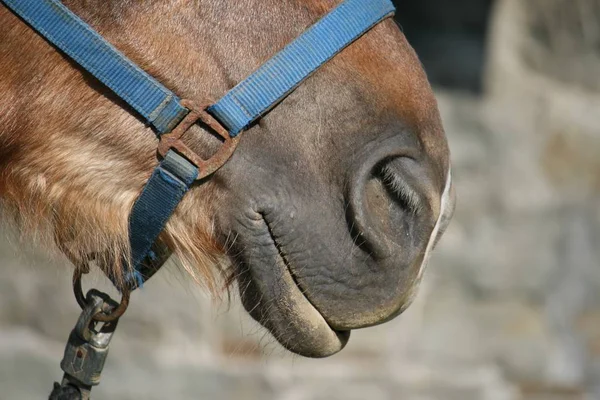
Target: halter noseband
{"points": [[171, 117]]}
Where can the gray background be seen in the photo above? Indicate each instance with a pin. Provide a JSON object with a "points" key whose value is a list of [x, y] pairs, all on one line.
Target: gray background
{"points": [[510, 308]]}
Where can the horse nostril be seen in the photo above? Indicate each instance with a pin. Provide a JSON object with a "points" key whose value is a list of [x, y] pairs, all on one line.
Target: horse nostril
{"points": [[387, 209]]}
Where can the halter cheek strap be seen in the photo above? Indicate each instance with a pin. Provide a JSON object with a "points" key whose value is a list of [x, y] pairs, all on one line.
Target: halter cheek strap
{"points": [[171, 117]]}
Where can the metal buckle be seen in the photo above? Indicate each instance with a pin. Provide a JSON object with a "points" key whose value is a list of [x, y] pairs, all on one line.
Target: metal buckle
{"points": [[173, 141]]}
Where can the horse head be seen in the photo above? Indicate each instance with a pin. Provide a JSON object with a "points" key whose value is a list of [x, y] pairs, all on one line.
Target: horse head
{"points": [[325, 215]]}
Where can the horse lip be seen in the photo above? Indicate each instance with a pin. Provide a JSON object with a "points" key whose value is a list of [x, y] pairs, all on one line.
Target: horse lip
{"points": [[288, 266], [290, 310], [290, 272]]}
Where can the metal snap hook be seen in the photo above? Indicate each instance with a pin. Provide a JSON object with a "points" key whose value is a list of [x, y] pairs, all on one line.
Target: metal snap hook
{"points": [[87, 348]]}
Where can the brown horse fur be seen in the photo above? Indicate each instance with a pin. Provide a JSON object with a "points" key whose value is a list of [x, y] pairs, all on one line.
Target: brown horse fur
{"points": [[73, 158]]}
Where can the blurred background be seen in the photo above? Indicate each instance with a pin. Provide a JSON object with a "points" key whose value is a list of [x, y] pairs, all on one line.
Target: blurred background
{"points": [[510, 308]]}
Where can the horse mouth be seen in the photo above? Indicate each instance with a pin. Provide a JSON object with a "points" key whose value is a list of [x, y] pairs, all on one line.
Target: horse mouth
{"points": [[273, 297]]}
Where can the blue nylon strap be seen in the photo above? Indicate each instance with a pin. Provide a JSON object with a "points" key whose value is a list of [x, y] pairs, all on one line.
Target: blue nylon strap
{"points": [[169, 182], [248, 101], [157, 104], [285, 71]]}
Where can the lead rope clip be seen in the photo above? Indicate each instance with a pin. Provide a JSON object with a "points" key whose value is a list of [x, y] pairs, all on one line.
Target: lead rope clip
{"points": [[87, 349]]}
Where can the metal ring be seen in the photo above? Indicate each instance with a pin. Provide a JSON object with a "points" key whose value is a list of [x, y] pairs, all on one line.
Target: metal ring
{"points": [[108, 313]]}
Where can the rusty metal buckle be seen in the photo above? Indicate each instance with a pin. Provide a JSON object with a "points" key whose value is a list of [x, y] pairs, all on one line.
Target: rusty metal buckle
{"points": [[173, 140], [108, 312]]}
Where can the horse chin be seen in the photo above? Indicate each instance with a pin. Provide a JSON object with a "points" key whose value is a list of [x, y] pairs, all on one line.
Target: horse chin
{"points": [[271, 296], [296, 324]]}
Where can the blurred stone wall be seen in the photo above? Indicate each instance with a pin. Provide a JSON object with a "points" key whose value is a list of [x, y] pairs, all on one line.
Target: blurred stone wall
{"points": [[510, 308], [563, 40]]}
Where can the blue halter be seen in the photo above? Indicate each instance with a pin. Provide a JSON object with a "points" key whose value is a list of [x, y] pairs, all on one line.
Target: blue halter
{"points": [[171, 117]]}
